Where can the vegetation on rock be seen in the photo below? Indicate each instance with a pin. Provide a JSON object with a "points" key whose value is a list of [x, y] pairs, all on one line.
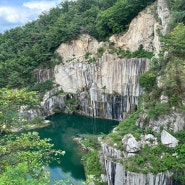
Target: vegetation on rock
{"points": [[165, 78]]}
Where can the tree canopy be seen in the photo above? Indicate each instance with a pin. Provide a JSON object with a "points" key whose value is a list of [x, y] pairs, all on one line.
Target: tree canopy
{"points": [[23, 49], [22, 156]]}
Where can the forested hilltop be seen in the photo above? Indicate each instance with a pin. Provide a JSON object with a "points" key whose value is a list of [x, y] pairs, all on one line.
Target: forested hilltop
{"points": [[33, 46]]}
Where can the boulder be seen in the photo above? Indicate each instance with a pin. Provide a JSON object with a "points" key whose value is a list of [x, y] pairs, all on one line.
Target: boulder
{"points": [[130, 144], [168, 140]]}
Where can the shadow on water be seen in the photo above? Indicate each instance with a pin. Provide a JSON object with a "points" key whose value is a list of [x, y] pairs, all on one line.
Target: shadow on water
{"points": [[61, 131]]}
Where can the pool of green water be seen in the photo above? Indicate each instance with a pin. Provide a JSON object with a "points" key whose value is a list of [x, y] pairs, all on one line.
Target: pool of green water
{"points": [[63, 128]]}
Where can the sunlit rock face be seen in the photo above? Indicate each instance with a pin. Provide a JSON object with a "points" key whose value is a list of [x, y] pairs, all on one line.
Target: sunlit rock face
{"points": [[107, 88], [78, 48], [141, 32], [144, 29]]}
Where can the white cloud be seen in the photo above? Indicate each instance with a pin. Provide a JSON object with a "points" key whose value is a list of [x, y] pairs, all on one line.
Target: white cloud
{"points": [[40, 5], [11, 16]]}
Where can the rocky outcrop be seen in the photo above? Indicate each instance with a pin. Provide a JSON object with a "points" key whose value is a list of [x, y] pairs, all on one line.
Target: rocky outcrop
{"points": [[163, 13], [116, 174], [173, 121], [130, 144], [148, 139], [140, 32], [43, 74], [49, 105], [30, 114], [107, 88], [78, 48], [52, 101], [144, 29], [168, 140], [109, 151], [109, 74]]}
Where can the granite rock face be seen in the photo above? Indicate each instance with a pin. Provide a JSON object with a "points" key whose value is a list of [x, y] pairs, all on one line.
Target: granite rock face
{"points": [[148, 139], [141, 32], [47, 106], [52, 101], [163, 12], [173, 121], [107, 88], [30, 114], [78, 48], [116, 174], [143, 29]]}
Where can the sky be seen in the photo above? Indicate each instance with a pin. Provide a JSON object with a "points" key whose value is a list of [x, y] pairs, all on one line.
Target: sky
{"points": [[15, 13]]}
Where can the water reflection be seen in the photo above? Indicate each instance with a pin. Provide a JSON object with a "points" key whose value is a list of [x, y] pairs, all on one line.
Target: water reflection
{"points": [[61, 131]]}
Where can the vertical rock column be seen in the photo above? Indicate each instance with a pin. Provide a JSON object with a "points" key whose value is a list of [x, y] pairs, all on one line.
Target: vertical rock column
{"points": [[107, 88]]}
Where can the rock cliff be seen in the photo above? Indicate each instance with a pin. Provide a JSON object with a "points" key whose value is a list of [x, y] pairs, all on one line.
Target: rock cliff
{"points": [[116, 174], [107, 87], [144, 29]]}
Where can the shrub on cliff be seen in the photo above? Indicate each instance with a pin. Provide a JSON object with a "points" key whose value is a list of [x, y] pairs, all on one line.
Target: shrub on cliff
{"points": [[147, 80]]}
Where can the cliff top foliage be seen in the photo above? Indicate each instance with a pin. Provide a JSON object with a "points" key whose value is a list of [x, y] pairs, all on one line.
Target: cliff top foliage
{"points": [[23, 49]]}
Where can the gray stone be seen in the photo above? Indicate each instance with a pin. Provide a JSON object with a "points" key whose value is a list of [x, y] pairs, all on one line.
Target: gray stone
{"points": [[130, 144], [117, 175], [163, 13], [111, 84], [110, 151], [43, 74], [104, 178], [173, 121], [168, 140]]}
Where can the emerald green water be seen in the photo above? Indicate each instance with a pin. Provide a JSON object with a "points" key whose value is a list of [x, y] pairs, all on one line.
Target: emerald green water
{"points": [[61, 131]]}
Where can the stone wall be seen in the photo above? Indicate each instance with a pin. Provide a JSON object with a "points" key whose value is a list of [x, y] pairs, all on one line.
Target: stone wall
{"points": [[107, 88]]}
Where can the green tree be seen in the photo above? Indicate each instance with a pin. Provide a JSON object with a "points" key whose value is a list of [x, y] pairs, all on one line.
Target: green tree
{"points": [[147, 80], [10, 102], [23, 159], [174, 42], [23, 156]]}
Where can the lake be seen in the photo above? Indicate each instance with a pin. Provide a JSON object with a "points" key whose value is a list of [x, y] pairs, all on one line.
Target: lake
{"points": [[63, 128]]}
